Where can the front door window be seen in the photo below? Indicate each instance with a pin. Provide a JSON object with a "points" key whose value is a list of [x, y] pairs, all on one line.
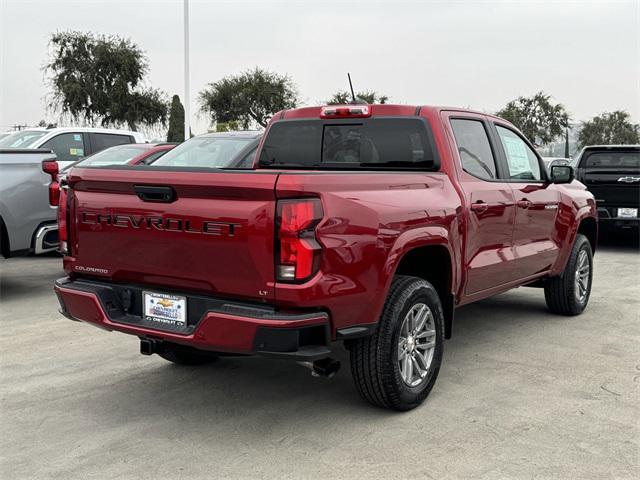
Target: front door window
{"points": [[522, 162]]}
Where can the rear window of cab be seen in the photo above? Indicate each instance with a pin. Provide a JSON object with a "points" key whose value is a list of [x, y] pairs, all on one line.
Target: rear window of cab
{"points": [[628, 158], [369, 144]]}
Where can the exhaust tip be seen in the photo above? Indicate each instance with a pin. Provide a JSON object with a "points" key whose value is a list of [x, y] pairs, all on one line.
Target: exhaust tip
{"points": [[326, 367]]}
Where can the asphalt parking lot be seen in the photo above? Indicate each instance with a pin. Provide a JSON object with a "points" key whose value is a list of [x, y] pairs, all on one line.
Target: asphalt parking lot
{"points": [[522, 394]]}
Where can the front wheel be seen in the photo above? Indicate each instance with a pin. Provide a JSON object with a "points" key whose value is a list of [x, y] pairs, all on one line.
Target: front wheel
{"points": [[397, 366], [568, 293]]}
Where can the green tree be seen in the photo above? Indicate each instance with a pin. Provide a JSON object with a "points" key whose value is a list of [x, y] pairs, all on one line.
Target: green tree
{"points": [[176, 121], [609, 128], [369, 96], [227, 126], [99, 78], [537, 117], [566, 143], [249, 98], [44, 123]]}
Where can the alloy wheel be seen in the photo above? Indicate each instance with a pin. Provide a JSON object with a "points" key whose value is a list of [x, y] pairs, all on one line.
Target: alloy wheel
{"points": [[416, 344], [583, 276]]}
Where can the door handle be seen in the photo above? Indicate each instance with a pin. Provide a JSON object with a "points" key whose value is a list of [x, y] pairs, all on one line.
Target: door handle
{"points": [[153, 193], [479, 206], [523, 203]]}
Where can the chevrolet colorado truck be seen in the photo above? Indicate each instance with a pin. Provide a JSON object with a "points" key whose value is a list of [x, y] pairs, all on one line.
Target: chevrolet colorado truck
{"points": [[362, 224], [612, 174]]}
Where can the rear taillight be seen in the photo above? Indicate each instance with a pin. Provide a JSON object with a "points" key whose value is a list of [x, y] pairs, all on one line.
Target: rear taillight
{"points": [[51, 167], [298, 255], [63, 235]]}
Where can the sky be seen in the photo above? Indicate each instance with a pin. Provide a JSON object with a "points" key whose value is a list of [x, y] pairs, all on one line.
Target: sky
{"points": [[476, 54]]}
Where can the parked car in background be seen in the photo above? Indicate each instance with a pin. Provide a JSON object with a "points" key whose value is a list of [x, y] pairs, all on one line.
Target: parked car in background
{"points": [[70, 144], [28, 187], [30, 161], [548, 161], [129, 154], [235, 149], [612, 174], [367, 224]]}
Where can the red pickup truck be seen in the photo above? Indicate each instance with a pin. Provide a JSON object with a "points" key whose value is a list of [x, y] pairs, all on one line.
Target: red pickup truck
{"points": [[368, 224]]}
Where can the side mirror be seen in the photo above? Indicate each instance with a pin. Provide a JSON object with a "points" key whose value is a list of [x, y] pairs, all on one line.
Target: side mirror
{"points": [[562, 174]]}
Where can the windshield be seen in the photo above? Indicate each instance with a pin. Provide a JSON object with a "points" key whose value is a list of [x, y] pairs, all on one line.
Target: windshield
{"points": [[213, 152], [111, 156], [612, 159], [23, 139]]}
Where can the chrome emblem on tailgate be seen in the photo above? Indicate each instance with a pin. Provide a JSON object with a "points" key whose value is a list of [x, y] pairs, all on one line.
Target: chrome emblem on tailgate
{"points": [[629, 179], [82, 268]]}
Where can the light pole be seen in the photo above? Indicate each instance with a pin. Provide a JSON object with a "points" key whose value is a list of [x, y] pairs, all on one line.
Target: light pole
{"points": [[187, 96]]}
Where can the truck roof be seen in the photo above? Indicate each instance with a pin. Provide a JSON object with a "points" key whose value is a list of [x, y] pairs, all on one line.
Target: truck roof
{"points": [[81, 129], [630, 145], [376, 109]]}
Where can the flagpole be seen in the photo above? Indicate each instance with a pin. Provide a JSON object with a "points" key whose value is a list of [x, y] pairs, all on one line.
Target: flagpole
{"points": [[187, 96]]}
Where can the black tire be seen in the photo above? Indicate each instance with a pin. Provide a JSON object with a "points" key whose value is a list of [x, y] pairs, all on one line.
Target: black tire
{"points": [[374, 359], [185, 356], [560, 292], [5, 249]]}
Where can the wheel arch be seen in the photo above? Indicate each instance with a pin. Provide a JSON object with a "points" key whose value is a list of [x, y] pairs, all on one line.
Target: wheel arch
{"points": [[589, 228], [432, 261], [585, 222]]}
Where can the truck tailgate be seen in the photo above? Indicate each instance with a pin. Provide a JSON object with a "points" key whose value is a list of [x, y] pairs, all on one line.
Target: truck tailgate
{"points": [[204, 231], [617, 188]]}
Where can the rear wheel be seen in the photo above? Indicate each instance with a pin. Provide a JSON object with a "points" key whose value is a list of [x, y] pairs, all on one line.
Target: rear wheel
{"points": [[398, 365], [185, 356], [568, 293], [4, 240]]}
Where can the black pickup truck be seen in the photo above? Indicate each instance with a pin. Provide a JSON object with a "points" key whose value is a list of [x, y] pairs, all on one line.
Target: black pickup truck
{"points": [[612, 174]]}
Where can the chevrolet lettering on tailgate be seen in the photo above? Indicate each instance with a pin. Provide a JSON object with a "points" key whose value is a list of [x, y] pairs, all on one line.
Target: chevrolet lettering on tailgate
{"points": [[136, 222]]}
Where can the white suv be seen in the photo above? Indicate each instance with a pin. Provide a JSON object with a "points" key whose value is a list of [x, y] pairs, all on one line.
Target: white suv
{"points": [[70, 144]]}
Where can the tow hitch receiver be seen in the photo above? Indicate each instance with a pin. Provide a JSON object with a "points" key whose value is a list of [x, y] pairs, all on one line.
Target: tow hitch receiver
{"points": [[149, 346]]}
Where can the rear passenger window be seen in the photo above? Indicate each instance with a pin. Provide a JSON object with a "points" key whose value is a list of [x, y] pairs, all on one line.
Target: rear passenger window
{"points": [[522, 162], [100, 141], [68, 147], [474, 148]]}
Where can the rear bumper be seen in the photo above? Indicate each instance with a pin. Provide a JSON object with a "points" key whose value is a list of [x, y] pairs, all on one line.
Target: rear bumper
{"points": [[608, 217], [218, 325]]}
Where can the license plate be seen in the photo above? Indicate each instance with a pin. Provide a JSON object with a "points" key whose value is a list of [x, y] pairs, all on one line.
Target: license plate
{"points": [[627, 212], [165, 310]]}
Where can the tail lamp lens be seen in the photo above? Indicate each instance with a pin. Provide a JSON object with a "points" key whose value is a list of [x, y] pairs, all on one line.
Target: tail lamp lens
{"points": [[299, 251], [54, 194], [51, 167], [63, 235]]}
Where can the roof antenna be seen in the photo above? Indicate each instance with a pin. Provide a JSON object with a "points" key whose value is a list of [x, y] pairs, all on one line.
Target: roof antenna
{"points": [[353, 95]]}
